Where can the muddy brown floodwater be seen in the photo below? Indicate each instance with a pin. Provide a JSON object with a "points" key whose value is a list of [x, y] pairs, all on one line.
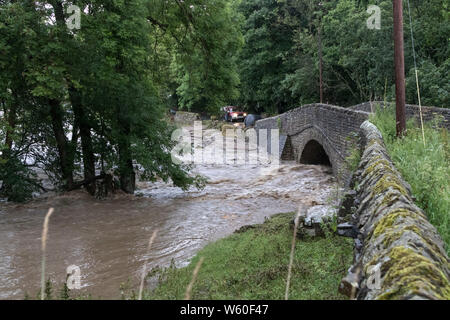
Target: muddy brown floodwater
{"points": [[107, 239]]}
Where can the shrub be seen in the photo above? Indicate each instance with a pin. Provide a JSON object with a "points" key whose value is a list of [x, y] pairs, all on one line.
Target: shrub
{"points": [[18, 182]]}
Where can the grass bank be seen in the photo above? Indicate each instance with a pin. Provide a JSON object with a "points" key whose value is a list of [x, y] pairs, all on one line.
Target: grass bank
{"points": [[253, 264], [425, 167]]}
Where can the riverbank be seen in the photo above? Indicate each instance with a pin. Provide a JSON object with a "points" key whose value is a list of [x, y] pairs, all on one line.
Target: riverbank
{"points": [[253, 263]]}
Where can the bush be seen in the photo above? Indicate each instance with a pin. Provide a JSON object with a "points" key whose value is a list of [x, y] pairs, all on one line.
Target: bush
{"points": [[18, 182]]}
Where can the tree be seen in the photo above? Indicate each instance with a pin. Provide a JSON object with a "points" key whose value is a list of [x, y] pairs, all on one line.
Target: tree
{"points": [[268, 39], [84, 99], [280, 63], [206, 38]]}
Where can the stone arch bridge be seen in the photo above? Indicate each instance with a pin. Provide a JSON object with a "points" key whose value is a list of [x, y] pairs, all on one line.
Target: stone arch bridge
{"points": [[317, 134], [326, 134]]}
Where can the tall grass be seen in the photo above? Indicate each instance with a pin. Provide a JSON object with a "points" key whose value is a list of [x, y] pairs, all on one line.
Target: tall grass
{"points": [[425, 167], [144, 270], [291, 258], [188, 294], [44, 249]]}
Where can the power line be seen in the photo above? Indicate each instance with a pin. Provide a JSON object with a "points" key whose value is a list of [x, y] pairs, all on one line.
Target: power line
{"points": [[416, 71]]}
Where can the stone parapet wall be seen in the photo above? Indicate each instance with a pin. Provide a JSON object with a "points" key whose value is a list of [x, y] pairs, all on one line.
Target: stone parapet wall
{"points": [[398, 253], [412, 111]]}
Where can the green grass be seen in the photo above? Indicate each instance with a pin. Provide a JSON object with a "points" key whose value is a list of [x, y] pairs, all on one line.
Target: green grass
{"points": [[253, 264], [425, 168]]}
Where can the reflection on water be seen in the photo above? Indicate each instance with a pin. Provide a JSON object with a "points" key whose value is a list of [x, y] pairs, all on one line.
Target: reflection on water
{"points": [[108, 239]]}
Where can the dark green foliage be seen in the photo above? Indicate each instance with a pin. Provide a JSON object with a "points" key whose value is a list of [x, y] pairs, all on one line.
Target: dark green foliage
{"points": [[48, 291], [263, 65], [74, 102], [64, 293], [195, 45], [55, 291], [280, 58], [18, 181], [77, 102], [206, 74], [434, 84]]}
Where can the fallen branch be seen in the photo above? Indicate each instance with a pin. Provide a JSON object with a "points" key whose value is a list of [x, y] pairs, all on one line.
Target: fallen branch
{"points": [[79, 184]]}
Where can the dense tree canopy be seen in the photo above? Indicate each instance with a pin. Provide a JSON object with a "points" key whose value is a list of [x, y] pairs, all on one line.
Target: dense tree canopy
{"points": [[78, 103], [280, 62]]}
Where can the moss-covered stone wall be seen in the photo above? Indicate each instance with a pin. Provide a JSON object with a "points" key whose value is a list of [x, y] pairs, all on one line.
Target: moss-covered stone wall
{"points": [[398, 253]]}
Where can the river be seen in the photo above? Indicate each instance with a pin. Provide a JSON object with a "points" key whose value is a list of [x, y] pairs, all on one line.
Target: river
{"points": [[107, 239]]}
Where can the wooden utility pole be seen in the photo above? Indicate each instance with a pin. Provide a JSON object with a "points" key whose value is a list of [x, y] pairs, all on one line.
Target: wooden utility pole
{"points": [[399, 59]]}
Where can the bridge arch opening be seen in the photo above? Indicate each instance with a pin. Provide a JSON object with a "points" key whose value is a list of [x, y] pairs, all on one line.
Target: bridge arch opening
{"points": [[314, 153]]}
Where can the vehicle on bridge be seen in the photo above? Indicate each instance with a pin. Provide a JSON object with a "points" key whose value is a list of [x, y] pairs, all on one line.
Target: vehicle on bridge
{"points": [[232, 115]]}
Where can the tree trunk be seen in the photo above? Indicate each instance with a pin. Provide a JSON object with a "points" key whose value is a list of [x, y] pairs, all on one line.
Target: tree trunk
{"points": [[59, 12], [126, 170], [65, 156], [79, 113], [11, 126], [86, 139], [7, 151], [127, 174]]}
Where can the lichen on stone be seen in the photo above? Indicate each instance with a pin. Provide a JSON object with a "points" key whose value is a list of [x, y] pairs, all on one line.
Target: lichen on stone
{"points": [[392, 235], [374, 141], [389, 181], [388, 199], [409, 273], [390, 219], [378, 161]]}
